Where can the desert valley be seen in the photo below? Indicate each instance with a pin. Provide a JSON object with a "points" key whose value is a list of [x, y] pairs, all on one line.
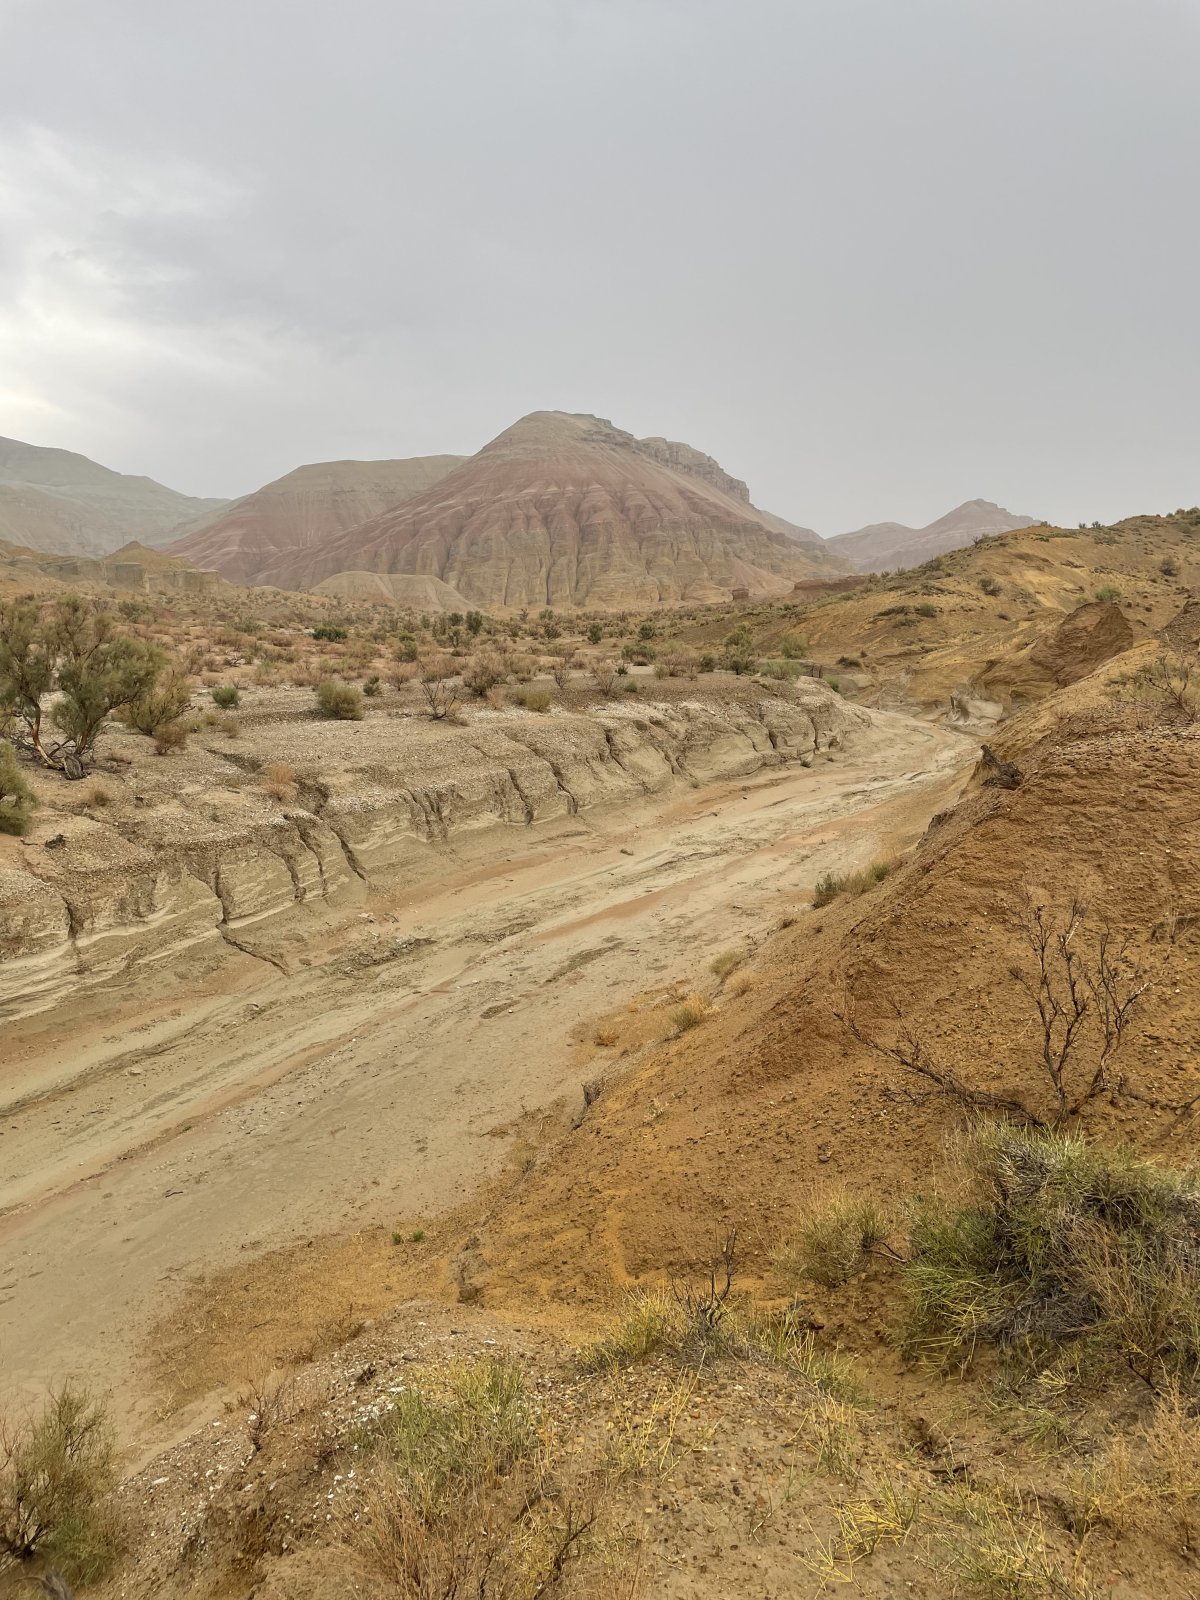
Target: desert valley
{"points": [[563, 1033]]}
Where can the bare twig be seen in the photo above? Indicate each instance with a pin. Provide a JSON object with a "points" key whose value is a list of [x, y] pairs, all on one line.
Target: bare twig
{"points": [[909, 1052]]}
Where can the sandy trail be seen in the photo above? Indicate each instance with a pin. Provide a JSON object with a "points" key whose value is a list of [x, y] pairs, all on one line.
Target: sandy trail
{"points": [[381, 1081]]}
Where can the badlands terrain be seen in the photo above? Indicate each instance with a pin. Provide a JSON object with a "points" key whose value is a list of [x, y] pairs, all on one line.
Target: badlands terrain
{"points": [[558, 1099]]}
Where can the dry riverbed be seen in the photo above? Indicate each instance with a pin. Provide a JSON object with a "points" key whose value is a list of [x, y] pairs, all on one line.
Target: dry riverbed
{"points": [[166, 1130]]}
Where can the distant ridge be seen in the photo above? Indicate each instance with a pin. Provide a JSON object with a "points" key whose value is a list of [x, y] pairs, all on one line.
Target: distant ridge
{"points": [[885, 545], [65, 504]]}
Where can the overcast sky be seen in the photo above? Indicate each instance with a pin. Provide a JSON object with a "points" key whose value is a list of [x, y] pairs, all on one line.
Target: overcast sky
{"points": [[876, 256]]}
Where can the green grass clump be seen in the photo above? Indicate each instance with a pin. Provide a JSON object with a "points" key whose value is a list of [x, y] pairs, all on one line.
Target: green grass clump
{"points": [[687, 1016], [1060, 1241], [650, 1320], [851, 884], [227, 696], [479, 1431], [728, 961], [831, 1241]]}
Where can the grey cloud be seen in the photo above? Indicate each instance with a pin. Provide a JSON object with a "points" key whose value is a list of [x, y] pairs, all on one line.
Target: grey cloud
{"points": [[875, 257]]}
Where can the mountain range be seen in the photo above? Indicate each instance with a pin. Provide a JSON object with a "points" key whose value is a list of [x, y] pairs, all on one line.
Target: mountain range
{"points": [[883, 545], [560, 509], [62, 503]]}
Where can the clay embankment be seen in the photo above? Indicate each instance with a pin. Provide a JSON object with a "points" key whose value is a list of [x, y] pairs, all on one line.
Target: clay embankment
{"points": [[377, 804]]}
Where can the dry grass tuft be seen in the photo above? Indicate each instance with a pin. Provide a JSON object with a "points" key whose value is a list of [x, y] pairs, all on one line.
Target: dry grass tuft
{"points": [[278, 779], [830, 1240]]}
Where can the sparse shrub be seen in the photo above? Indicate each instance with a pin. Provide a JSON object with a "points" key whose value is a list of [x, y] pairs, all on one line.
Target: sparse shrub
{"points": [[651, 1320], [990, 585], [483, 672], [1108, 593], [595, 633], [707, 662], [170, 737], [532, 699], [278, 779], [728, 961], [435, 673], [681, 663], [831, 1240], [793, 646], [372, 687], [1060, 1241], [339, 701], [95, 797], [694, 1010], [164, 701], [56, 1467], [1169, 567], [331, 632], [1169, 679], [227, 696], [560, 671], [604, 675], [782, 670], [17, 799], [925, 609]]}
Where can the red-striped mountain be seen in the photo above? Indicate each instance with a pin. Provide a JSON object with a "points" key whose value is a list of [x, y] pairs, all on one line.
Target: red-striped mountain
{"points": [[280, 526], [560, 509]]}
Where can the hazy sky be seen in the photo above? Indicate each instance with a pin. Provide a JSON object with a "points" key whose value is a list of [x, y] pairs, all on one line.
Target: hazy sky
{"points": [[876, 256]]}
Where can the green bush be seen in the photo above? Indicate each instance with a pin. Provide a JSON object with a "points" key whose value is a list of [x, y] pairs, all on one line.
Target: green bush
{"points": [[163, 702], [17, 799], [227, 696], [925, 609], [1108, 593], [340, 701], [330, 631], [1061, 1241], [56, 1468], [989, 585]]}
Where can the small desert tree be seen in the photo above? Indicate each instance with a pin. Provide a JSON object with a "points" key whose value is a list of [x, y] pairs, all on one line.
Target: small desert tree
{"points": [[73, 647], [99, 670]]}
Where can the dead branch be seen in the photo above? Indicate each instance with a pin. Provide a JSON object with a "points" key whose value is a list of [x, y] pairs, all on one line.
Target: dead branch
{"points": [[909, 1052]]}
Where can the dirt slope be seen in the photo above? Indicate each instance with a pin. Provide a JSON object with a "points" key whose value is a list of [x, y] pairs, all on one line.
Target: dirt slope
{"points": [[727, 1126], [278, 525], [60, 502], [567, 510]]}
